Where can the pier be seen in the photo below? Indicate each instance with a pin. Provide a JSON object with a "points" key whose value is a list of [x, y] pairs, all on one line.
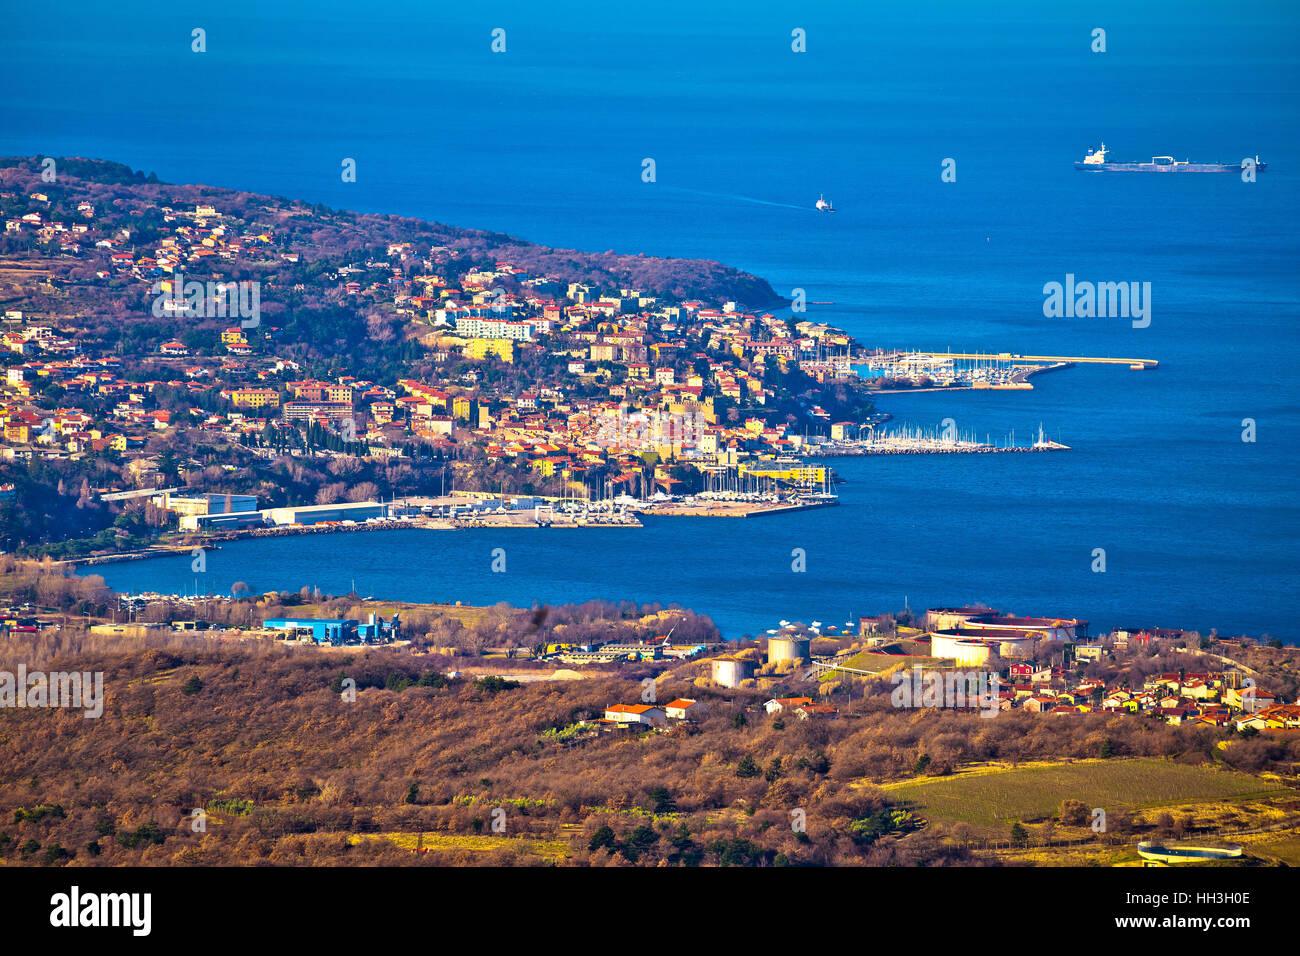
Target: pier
{"points": [[1012, 357]]}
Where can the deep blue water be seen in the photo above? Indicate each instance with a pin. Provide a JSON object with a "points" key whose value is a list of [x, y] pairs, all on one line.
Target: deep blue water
{"points": [[546, 142]]}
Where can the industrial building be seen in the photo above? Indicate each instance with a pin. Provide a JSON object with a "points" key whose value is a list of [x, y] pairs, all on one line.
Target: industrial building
{"points": [[206, 504], [337, 631], [222, 520], [315, 514]]}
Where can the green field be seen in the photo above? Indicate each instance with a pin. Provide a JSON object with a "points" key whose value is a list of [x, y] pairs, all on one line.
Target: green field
{"points": [[867, 661], [993, 797]]}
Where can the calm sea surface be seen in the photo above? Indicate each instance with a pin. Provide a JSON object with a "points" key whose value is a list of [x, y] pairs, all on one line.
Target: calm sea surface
{"points": [[546, 142]]}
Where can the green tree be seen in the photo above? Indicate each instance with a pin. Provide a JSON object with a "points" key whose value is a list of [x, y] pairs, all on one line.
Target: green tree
{"points": [[747, 767], [603, 837]]}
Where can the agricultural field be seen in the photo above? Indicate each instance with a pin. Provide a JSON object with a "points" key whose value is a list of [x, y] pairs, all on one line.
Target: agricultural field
{"points": [[990, 798]]}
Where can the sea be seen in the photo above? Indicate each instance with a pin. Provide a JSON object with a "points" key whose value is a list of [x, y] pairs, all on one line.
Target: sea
{"points": [[1161, 513]]}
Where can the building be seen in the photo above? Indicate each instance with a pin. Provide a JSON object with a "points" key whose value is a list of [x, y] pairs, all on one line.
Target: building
{"points": [[206, 504], [684, 708], [306, 411], [221, 520], [316, 514], [255, 398], [816, 711], [504, 349], [479, 328], [777, 704], [336, 632], [635, 714]]}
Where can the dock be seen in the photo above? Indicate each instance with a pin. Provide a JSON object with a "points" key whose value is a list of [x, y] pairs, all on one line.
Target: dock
{"points": [[1013, 357]]}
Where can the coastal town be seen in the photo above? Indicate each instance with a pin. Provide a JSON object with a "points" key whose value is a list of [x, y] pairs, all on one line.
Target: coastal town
{"points": [[165, 393], [187, 366]]}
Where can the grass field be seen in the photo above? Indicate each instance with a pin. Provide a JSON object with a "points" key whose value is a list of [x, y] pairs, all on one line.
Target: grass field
{"points": [[877, 663], [1279, 847], [991, 798], [554, 850], [468, 615]]}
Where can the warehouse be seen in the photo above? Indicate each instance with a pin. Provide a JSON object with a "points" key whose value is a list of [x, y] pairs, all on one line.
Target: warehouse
{"points": [[315, 514]]}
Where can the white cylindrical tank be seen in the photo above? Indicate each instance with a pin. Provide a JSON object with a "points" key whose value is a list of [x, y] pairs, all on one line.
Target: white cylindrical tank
{"points": [[788, 649], [1019, 647], [729, 672], [965, 652]]}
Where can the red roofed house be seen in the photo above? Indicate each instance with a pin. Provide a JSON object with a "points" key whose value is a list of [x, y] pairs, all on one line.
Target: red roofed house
{"points": [[683, 708], [634, 714]]}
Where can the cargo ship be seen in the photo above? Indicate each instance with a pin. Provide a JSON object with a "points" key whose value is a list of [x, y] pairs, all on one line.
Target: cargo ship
{"points": [[1096, 162]]}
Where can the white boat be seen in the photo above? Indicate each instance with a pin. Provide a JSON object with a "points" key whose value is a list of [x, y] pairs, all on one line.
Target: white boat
{"points": [[824, 205]]}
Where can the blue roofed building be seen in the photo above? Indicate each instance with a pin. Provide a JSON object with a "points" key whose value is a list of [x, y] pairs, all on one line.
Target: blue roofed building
{"points": [[338, 631]]}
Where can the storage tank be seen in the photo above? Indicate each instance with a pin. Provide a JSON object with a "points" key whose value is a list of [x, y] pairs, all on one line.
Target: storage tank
{"points": [[788, 649], [964, 652], [1018, 647], [729, 671], [951, 618]]}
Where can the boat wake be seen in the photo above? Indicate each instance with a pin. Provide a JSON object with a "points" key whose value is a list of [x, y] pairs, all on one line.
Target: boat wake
{"points": [[735, 196]]}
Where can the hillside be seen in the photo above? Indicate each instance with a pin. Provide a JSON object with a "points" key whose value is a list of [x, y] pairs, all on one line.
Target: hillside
{"points": [[321, 233]]}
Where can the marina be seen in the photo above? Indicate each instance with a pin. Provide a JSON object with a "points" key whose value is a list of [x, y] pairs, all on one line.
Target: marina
{"points": [[903, 371], [915, 440]]}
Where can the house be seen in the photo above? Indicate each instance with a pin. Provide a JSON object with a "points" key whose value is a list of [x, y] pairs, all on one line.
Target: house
{"points": [[810, 711], [1177, 714], [1250, 699], [778, 704], [684, 708], [635, 714]]}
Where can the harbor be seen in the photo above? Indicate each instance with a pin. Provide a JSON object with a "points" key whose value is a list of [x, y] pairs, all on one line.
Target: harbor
{"points": [[911, 371], [914, 440]]}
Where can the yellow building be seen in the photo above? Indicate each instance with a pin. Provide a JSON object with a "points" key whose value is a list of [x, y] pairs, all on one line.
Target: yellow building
{"points": [[503, 349], [799, 474], [460, 407], [18, 432], [255, 398]]}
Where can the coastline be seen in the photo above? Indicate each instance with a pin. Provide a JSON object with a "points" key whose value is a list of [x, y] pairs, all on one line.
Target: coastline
{"points": [[523, 521]]}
